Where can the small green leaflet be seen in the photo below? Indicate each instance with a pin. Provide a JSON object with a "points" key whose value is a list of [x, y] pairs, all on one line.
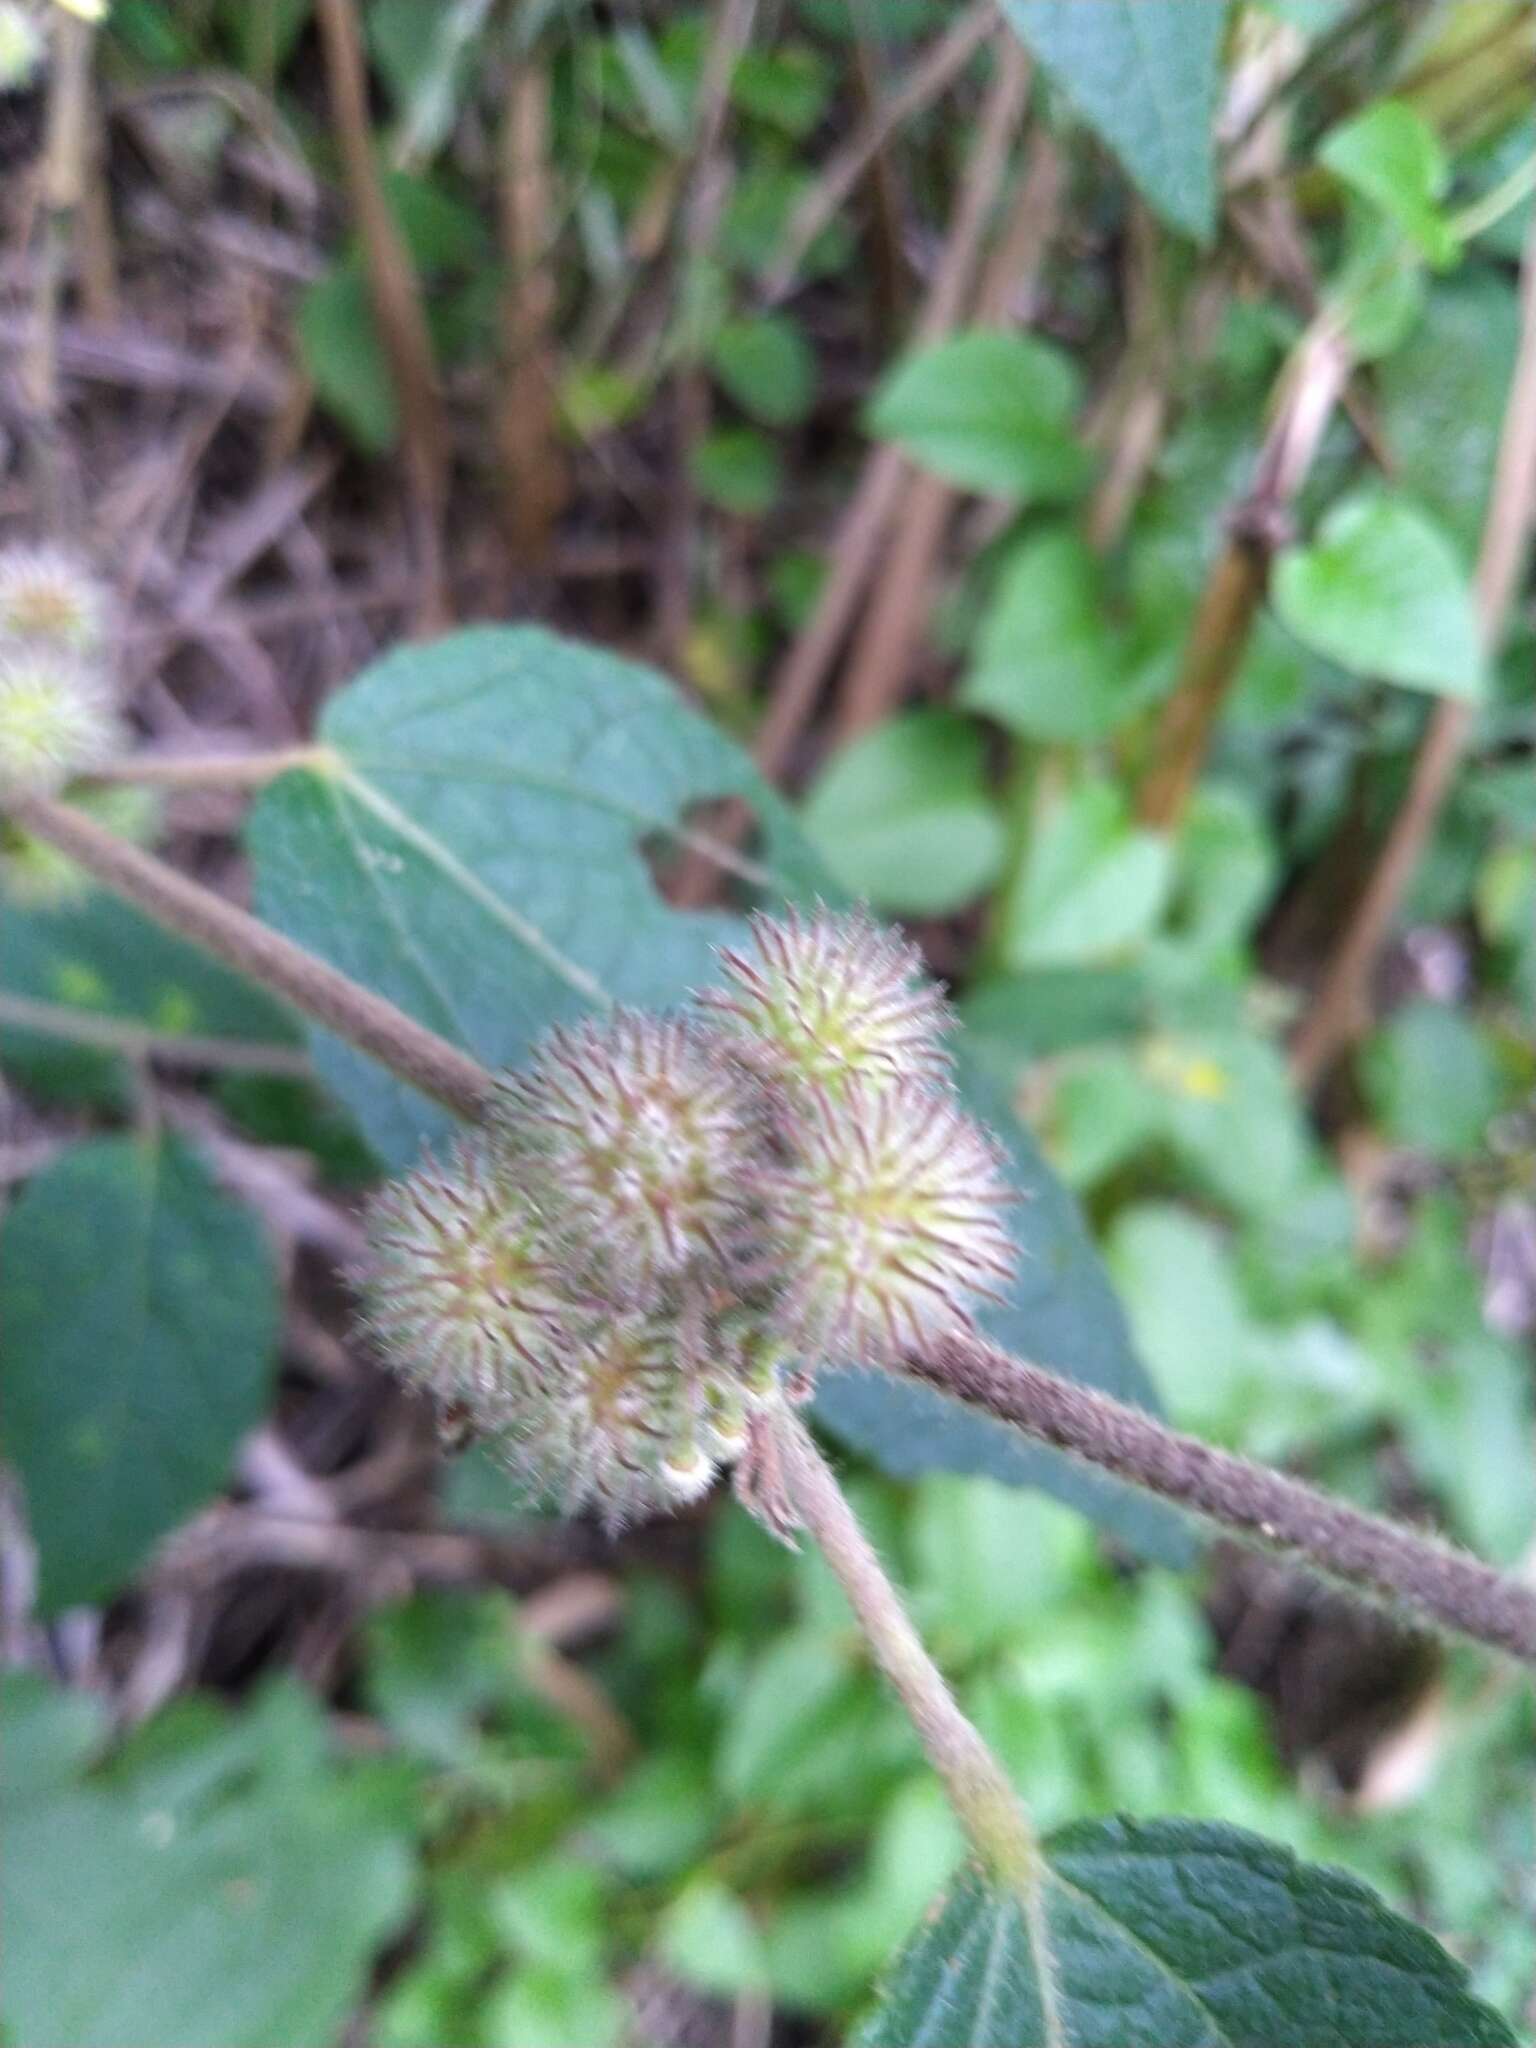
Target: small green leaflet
{"points": [[991, 411], [1381, 592], [1176, 1934]]}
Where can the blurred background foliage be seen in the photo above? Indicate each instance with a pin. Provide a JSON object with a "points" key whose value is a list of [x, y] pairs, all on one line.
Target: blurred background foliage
{"points": [[475, 1780]]}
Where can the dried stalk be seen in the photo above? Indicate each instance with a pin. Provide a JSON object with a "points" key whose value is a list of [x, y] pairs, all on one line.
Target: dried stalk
{"points": [[1340, 1005]]}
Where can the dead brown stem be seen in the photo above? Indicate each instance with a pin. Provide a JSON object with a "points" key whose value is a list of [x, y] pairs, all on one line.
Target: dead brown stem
{"points": [[1218, 641], [932, 75], [794, 688], [397, 305], [1340, 1006], [533, 475], [881, 659]]}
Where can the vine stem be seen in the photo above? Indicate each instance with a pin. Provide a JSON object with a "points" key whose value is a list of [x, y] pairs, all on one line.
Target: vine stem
{"points": [[241, 941], [1385, 1563], [209, 771], [988, 1807], [1367, 1555]]}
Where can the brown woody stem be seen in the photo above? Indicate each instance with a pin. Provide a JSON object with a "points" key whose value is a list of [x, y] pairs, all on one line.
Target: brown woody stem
{"points": [[1367, 1555], [241, 941]]}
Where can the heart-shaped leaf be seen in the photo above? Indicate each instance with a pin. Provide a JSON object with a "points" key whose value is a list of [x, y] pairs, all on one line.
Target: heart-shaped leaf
{"points": [[990, 411], [1175, 1934], [478, 849], [1381, 592]]}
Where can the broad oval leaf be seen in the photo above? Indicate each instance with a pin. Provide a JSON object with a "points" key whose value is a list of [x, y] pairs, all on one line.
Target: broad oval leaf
{"points": [[1381, 592], [476, 850], [903, 815], [124, 1400], [1176, 1934], [1144, 78], [224, 1889], [988, 410]]}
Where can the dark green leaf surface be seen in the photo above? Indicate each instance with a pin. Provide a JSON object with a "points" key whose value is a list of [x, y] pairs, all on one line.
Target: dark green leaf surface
{"points": [[232, 1899], [1143, 75], [124, 1399], [1178, 1934], [476, 853], [101, 956]]}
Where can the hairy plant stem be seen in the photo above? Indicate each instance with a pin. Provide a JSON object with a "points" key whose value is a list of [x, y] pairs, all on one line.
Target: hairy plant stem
{"points": [[988, 1807], [1386, 1564], [241, 941], [1364, 1554], [209, 771]]}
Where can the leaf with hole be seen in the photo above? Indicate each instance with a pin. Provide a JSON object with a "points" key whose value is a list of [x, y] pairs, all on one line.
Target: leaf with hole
{"points": [[1144, 77], [125, 1400], [1175, 1934], [988, 410], [479, 848], [1381, 592]]}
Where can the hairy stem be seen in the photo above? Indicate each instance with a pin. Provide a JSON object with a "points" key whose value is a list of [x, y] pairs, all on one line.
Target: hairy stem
{"points": [[209, 771], [241, 941], [1367, 1555], [977, 1785]]}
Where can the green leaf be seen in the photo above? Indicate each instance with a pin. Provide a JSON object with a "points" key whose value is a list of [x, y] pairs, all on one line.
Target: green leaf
{"points": [[738, 470], [100, 956], [1177, 1934], [482, 833], [1442, 400], [1144, 78], [1381, 592], [767, 366], [1432, 1080], [342, 352], [1093, 883], [1048, 664], [212, 1906], [988, 410], [125, 1399], [1391, 156], [903, 816]]}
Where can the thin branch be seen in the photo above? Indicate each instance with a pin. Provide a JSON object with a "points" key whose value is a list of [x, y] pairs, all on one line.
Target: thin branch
{"points": [[794, 688], [396, 293], [210, 771], [1388, 1564], [139, 1041], [1314, 379], [930, 76], [1340, 1003], [976, 1783], [241, 941]]}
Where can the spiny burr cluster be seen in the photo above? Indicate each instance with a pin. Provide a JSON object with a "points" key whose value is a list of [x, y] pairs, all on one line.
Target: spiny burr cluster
{"points": [[667, 1222], [59, 714]]}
